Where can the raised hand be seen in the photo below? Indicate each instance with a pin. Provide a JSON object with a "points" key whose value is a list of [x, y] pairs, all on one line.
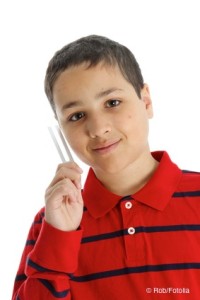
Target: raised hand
{"points": [[63, 199]]}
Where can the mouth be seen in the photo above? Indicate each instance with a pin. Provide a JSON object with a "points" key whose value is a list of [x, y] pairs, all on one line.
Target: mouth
{"points": [[107, 147]]}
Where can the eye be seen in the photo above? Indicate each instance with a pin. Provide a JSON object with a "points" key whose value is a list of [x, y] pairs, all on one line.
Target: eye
{"points": [[113, 103], [77, 116]]}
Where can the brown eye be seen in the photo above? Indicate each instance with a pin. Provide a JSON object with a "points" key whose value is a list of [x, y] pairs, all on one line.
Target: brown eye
{"points": [[77, 116], [112, 103]]}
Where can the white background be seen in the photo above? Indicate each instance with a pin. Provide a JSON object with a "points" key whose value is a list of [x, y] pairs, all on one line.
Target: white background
{"points": [[164, 36]]}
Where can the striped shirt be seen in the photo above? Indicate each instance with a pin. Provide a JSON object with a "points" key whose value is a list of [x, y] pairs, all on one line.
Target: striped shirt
{"points": [[142, 246]]}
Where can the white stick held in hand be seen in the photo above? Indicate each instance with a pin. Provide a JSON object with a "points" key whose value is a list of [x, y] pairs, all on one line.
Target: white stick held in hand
{"points": [[57, 139]]}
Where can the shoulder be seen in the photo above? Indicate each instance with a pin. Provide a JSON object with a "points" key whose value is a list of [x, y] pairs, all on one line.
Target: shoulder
{"points": [[190, 180]]}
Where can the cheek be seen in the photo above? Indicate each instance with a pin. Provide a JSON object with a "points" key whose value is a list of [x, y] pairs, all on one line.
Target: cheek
{"points": [[76, 142], [69, 136], [126, 122], [136, 125], [73, 142]]}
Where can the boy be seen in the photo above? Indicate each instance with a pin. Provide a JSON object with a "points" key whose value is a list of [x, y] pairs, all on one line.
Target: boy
{"points": [[133, 232]]}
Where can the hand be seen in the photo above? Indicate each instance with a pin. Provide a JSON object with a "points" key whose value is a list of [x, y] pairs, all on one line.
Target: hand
{"points": [[64, 203]]}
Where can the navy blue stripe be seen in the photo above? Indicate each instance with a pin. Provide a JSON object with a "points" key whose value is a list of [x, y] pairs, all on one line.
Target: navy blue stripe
{"points": [[30, 242], [17, 298], [20, 277], [133, 270], [192, 172], [104, 236], [150, 229], [40, 220], [39, 268], [186, 194], [50, 287], [36, 266]]}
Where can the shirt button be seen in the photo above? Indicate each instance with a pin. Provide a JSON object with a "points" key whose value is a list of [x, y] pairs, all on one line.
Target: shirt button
{"points": [[128, 205], [131, 230]]}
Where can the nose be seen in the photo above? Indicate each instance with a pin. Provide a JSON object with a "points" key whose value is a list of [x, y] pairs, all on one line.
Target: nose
{"points": [[98, 126]]}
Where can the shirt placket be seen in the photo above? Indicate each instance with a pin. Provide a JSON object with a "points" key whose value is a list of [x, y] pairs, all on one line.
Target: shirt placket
{"points": [[133, 240]]}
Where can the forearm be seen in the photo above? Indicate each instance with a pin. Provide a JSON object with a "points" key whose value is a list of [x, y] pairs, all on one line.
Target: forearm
{"points": [[46, 266]]}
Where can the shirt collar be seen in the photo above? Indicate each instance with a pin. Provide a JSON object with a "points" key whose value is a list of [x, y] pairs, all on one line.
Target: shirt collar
{"points": [[156, 193]]}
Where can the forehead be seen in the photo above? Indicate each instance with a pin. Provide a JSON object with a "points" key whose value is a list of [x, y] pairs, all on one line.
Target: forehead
{"points": [[83, 75]]}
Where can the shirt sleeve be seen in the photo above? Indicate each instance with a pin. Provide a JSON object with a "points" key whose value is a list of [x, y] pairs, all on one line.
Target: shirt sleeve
{"points": [[49, 259]]}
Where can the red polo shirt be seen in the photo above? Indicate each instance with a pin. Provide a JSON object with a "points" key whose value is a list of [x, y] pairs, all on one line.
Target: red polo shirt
{"points": [[142, 246]]}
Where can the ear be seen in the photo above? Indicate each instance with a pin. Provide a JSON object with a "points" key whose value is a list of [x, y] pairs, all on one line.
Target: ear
{"points": [[146, 98]]}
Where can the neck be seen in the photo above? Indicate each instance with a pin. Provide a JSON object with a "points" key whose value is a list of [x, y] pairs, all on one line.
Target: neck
{"points": [[132, 178]]}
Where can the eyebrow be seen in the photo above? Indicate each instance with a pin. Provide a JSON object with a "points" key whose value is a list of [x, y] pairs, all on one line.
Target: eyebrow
{"points": [[71, 104], [106, 92], [97, 96]]}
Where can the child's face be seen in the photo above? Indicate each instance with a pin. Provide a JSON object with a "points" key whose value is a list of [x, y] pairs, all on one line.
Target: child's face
{"points": [[104, 121]]}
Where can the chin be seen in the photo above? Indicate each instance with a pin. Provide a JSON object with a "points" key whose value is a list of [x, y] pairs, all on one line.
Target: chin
{"points": [[110, 168]]}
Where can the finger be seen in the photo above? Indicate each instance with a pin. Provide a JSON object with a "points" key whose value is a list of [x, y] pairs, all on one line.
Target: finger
{"points": [[77, 183], [70, 165], [62, 185], [66, 172], [63, 189]]}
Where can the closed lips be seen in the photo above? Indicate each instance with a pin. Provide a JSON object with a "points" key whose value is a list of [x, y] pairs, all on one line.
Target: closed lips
{"points": [[105, 146]]}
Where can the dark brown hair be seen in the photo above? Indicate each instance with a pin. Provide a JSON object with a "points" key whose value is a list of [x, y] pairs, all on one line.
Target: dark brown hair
{"points": [[93, 49]]}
